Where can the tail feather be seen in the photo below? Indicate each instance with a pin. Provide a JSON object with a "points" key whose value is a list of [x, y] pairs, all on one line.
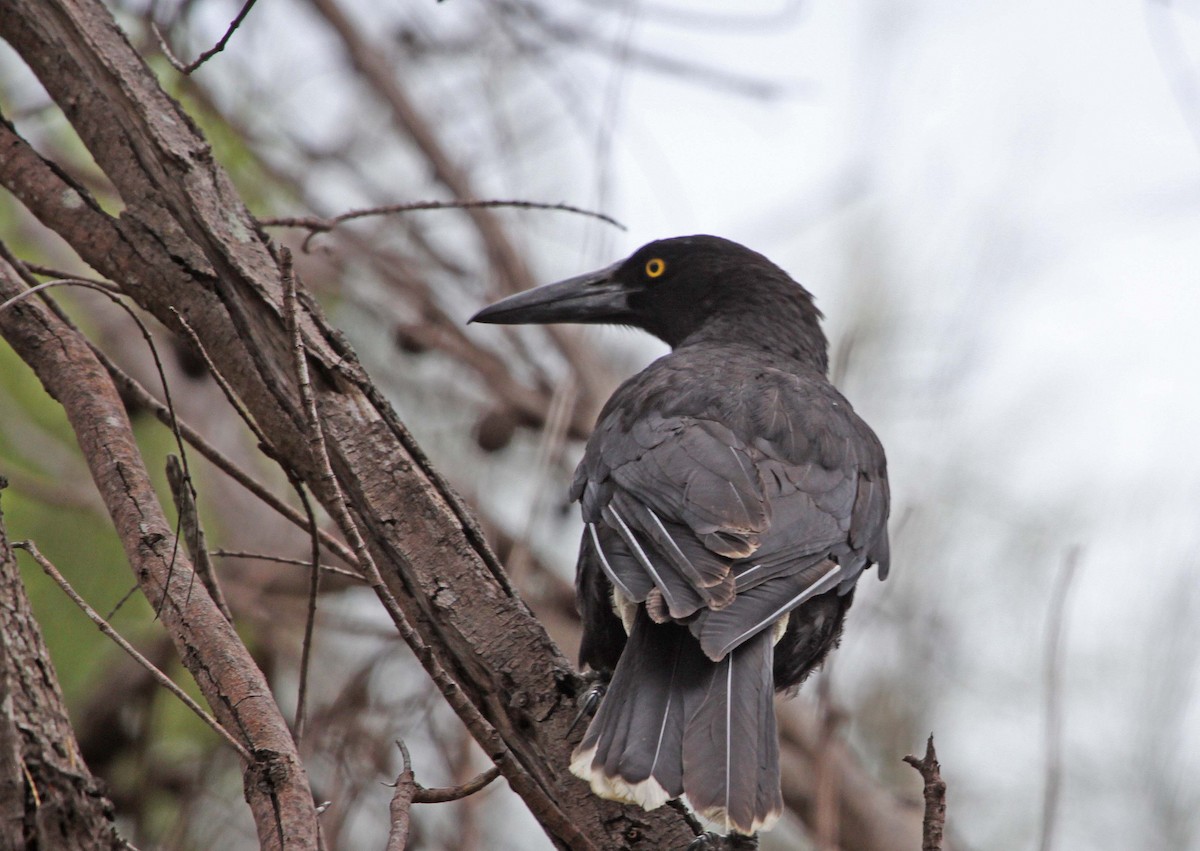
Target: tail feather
{"points": [[632, 750], [675, 723], [730, 746]]}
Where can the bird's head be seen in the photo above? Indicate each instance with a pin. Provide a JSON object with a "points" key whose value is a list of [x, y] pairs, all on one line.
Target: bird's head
{"points": [[676, 289]]}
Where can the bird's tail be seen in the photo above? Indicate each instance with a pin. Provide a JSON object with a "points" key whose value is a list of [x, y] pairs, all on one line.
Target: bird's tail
{"points": [[676, 723]]}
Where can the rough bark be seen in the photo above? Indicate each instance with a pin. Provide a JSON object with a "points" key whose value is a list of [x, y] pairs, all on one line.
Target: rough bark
{"points": [[186, 242], [275, 783], [48, 798]]}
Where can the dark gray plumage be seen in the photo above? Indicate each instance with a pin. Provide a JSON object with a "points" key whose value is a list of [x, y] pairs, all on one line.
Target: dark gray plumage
{"points": [[731, 498]]}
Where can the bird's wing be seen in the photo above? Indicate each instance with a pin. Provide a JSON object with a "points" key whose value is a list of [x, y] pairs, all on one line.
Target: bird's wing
{"points": [[730, 518], [679, 500]]}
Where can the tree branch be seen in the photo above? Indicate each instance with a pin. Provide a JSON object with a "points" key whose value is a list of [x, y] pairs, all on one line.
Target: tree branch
{"points": [[162, 679], [179, 66], [934, 825], [275, 783], [186, 241]]}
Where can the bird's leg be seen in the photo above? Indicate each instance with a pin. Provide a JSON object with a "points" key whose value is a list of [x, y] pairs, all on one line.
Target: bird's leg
{"points": [[716, 842], [590, 697]]}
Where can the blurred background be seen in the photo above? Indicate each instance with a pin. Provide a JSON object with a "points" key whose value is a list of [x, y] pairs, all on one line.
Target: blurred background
{"points": [[997, 206]]}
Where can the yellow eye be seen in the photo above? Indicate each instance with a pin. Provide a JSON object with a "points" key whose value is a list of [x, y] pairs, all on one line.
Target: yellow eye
{"points": [[655, 268]]}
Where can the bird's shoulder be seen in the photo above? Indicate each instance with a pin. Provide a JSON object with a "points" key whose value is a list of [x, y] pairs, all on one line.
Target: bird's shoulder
{"points": [[779, 407], [730, 419]]}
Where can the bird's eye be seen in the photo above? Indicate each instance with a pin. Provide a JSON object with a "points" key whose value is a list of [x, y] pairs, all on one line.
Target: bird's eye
{"points": [[655, 267]]}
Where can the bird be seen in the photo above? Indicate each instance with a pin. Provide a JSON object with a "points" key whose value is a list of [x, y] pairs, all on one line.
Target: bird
{"points": [[731, 498]]}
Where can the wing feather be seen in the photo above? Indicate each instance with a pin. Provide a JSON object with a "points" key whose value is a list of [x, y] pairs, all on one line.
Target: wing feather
{"points": [[697, 501]]}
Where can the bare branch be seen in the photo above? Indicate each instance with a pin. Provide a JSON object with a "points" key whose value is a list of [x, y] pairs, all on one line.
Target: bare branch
{"points": [[188, 243], [409, 792], [49, 797], [130, 387], [178, 65], [184, 496], [336, 501], [514, 275], [318, 225], [306, 563], [51, 272], [288, 280], [276, 786], [935, 797], [444, 794], [401, 805], [222, 382], [162, 679]]}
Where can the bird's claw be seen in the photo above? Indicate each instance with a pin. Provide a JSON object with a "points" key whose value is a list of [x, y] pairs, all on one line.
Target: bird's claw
{"points": [[589, 700], [716, 842]]}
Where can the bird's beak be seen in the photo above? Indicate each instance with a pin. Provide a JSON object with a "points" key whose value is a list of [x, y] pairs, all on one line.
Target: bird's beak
{"points": [[594, 297]]}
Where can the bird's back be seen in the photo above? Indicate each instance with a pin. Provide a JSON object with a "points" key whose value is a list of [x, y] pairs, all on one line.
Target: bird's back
{"points": [[732, 498], [751, 455]]}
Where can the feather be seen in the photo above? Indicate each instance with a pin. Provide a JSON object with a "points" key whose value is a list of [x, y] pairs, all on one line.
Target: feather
{"points": [[615, 578], [603, 639], [730, 746], [632, 749], [705, 573], [748, 576], [681, 597], [754, 610]]}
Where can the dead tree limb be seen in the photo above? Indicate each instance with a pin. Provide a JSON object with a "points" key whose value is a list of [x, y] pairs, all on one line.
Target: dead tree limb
{"points": [[934, 825], [275, 783], [186, 242]]}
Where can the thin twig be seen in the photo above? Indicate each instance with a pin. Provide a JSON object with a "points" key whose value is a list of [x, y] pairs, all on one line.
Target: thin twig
{"points": [[115, 298], [177, 63], [378, 70], [133, 388], [1056, 627], [120, 604], [163, 680], [299, 562], [318, 225], [935, 797], [183, 492], [224, 384], [444, 794], [401, 805], [166, 413], [309, 523], [288, 279], [113, 294], [51, 272]]}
